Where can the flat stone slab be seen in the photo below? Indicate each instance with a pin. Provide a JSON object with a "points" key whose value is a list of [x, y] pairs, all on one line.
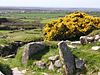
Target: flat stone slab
{"points": [[67, 58]]}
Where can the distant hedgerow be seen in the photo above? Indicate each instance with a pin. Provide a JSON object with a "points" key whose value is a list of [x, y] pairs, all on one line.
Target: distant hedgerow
{"points": [[71, 26]]}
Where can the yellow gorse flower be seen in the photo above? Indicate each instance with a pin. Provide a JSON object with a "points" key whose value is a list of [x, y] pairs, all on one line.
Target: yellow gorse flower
{"points": [[70, 26]]}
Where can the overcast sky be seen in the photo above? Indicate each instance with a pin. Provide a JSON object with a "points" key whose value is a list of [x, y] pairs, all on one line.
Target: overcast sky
{"points": [[52, 3]]}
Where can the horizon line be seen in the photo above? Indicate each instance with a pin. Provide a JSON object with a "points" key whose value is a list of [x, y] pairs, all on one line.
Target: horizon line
{"points": [[47, 7]]}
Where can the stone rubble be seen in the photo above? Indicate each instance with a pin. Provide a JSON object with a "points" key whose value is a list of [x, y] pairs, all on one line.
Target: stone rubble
{"points": [[89, 39], [58, 64], [41, 64]]}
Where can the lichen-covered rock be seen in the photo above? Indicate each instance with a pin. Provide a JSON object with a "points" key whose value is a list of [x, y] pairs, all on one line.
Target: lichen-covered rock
{"points": [[30, 49], [67, 58]]}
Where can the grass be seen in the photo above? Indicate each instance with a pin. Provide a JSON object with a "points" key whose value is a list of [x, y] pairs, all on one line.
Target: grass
{"points": [[84, 52], [47, 20], [95, 32], [24, 36], [38, 15], [92, 58], [50, 50]]}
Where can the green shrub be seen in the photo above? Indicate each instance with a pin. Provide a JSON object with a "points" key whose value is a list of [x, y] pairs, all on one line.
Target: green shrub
{"points": [[71, 26]]}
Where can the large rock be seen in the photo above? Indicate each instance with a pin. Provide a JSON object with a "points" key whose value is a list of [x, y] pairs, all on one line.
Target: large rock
{"points": [[67, 58], [30, 49], [83, 40]]}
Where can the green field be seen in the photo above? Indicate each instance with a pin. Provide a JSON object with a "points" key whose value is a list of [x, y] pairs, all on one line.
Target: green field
{"points": [[36, 34]]}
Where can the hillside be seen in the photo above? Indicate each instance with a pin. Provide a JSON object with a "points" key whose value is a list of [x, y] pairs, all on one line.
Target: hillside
{"points": [[28, 52]]}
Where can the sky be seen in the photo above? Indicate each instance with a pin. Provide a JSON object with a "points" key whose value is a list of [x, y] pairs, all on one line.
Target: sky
{"points": [[52, 3]]}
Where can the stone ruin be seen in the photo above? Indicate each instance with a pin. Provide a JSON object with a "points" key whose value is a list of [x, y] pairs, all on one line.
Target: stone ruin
{"points": [[89, 39], [72, 65]]}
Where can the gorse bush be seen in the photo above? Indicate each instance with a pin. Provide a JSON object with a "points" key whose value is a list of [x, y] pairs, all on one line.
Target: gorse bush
{"points": [[71, 27]]}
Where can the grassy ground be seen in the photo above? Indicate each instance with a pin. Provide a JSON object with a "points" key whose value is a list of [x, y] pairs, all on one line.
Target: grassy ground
{"points": [[44, 55], [24, 36], [84, 52], [91, 57], [43, 17], [95, 32]]}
